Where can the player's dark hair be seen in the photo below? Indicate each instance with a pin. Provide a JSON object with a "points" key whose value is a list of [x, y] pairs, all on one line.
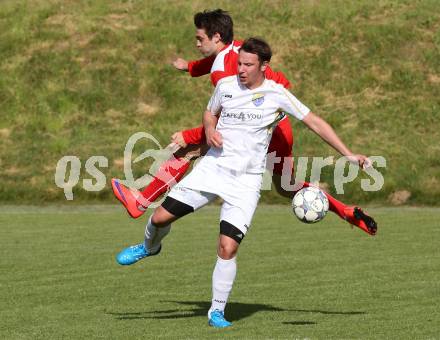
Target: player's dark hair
{"points": [[216, 21], [259, 47]]}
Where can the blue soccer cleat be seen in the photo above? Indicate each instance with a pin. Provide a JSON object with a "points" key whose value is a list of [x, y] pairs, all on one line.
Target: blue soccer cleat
{"points": [[217, 319], [133, 254]]}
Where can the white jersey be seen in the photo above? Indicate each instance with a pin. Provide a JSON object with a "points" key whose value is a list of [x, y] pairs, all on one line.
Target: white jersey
{"points": [[246, 121]]}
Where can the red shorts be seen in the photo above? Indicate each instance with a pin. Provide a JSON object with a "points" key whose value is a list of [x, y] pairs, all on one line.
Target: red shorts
{"points": [[281, 143]]}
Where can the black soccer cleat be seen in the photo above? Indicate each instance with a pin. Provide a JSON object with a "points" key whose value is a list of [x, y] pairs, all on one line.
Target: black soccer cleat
{"points": [[370, 223]]}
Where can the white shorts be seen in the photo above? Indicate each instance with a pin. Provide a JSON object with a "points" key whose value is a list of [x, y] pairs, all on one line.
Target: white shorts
{"points": [[207, 181]]}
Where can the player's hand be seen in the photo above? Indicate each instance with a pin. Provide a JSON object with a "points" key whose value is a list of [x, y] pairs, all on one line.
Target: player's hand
{"points": [[363, 161], [214, 138], [180, 64], [177, 138]]}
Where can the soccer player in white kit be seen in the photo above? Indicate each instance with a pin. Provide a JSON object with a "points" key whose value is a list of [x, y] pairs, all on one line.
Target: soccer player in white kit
{"points": [[238, 123]]}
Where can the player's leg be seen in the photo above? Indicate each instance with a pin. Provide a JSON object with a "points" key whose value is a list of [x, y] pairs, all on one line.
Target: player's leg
{"points": [[158, 226], [177, 204], [235, 221], [352, 214], [169, 173], [281, 144], [223, 278]]}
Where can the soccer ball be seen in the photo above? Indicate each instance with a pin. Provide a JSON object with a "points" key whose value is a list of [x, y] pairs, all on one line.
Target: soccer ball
{"points": [[310, 205]]}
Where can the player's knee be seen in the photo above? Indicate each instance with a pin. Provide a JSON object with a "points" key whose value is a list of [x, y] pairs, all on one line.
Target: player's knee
{"points": [[227, 251], [157, 220], [161, 217], [229, 241]]}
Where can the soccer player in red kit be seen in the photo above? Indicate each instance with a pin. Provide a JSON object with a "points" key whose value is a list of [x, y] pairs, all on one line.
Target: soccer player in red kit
{"points": [[214, 35]]}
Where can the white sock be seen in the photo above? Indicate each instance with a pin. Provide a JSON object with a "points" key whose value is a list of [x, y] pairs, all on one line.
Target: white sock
{"points": [[154, 236], [222, 281]]}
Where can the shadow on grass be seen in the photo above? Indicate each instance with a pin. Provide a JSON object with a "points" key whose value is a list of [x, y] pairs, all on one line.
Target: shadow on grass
{"points": [[299, 323], [325, 312], [234, 310]]}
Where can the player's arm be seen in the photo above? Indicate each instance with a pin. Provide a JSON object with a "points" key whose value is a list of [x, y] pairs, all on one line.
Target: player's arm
{"points": [[196, 68], [290, 104], [213, 137], [210, 118], [326, 132], [181, 64]]}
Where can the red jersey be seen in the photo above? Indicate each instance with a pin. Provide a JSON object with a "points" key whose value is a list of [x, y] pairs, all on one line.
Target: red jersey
{"points": [[225, 64], [222, 65]]}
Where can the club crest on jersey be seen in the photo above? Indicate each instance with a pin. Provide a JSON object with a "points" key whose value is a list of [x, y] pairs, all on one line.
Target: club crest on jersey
{"points": [[258, 99]]}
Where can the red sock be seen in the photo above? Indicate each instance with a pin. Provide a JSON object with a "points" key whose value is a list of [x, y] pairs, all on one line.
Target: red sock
{"points": [[334, 205], [169, 173]]}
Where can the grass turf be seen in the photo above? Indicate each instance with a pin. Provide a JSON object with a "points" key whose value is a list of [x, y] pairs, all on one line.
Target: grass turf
{"points": [[59, 278]]}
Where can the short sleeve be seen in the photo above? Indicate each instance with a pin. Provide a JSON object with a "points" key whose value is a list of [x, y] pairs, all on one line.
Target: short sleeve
{"points": [[216, 76], [290, 104], [214, 105]]}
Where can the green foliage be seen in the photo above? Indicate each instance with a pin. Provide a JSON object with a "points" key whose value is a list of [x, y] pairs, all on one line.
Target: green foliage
{"points": [[80, 77]]}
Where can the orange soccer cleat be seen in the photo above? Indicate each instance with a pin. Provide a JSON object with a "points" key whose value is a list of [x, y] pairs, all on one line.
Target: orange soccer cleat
{"points": [[129, 198], [359, 218]]}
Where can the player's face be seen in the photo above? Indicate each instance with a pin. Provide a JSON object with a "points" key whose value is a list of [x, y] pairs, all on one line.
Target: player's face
{"points": [[206, 46], [250, 71]]}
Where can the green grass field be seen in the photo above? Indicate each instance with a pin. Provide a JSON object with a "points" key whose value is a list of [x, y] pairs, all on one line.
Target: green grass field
{"points": [[59, 278]]}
